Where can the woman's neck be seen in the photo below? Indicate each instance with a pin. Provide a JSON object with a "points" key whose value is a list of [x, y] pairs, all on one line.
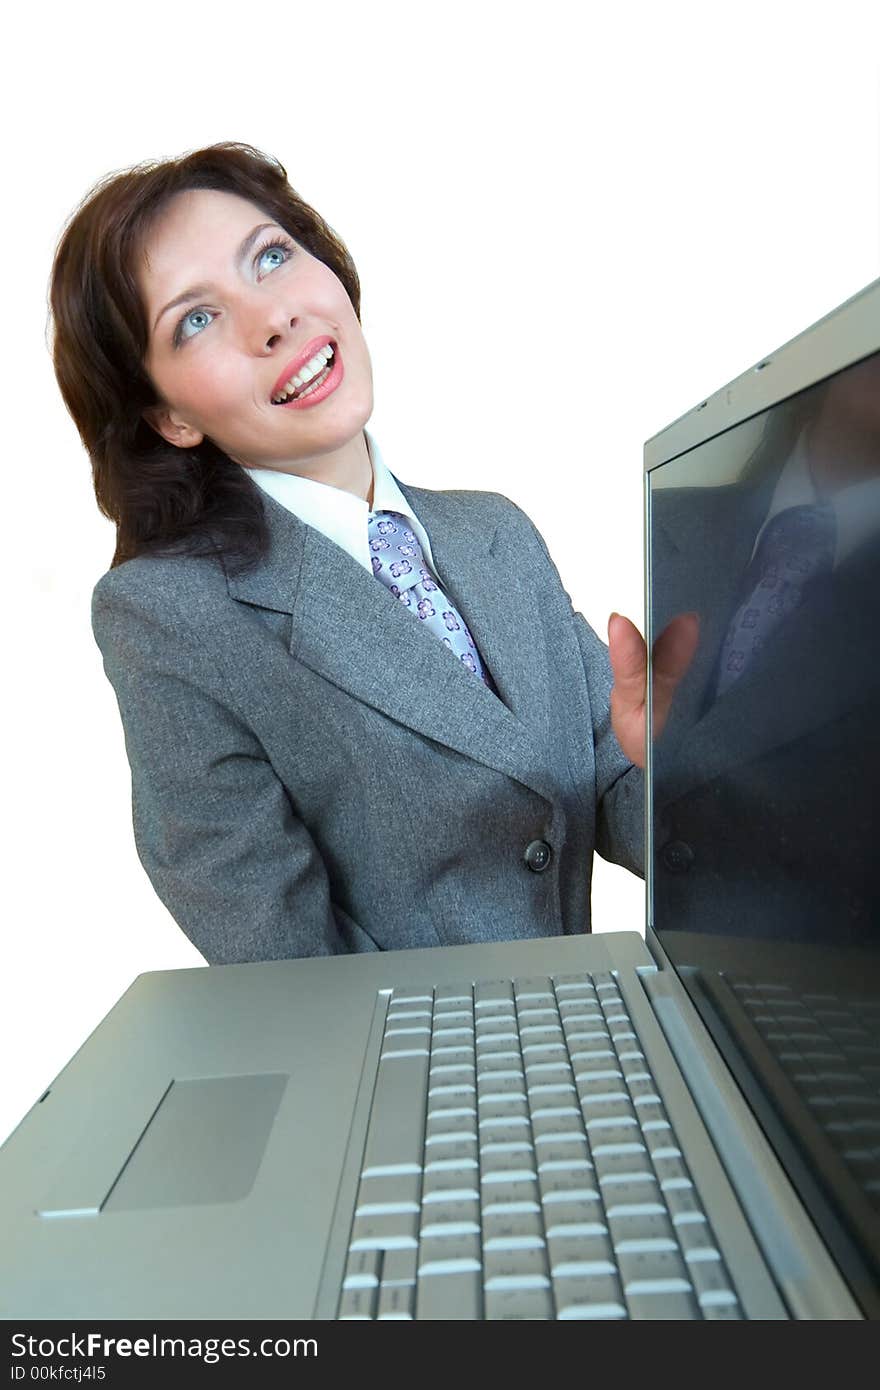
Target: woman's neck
{"points": [[348, 468]]}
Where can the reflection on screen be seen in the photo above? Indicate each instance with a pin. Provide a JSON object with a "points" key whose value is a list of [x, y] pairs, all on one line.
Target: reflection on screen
{"points": [[766, 853]]}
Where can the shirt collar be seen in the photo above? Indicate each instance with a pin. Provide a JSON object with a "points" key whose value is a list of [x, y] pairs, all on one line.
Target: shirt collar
{"points": [[856, 508], [339, 515]]}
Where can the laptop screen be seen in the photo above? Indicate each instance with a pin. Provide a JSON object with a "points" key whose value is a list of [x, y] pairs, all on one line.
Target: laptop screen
{"points": [[764, 883]]}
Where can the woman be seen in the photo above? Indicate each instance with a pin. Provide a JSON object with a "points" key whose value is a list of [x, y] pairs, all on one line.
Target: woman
{"points": [[358, 715]]}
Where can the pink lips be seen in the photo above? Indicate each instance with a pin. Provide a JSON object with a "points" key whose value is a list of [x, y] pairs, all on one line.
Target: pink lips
{"points": [[319, 393], [303, 356]]}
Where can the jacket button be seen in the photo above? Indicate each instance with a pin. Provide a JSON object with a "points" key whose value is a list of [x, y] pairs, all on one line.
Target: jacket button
{"points": [[677, 856], [538, 855]]}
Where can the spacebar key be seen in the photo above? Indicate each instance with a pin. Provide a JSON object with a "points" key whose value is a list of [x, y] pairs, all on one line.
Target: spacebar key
{"points": [[396, 1133]]}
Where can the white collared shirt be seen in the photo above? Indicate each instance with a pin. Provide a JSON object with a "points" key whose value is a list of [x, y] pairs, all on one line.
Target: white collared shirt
{"points": [[856, 508], [339, 515]]}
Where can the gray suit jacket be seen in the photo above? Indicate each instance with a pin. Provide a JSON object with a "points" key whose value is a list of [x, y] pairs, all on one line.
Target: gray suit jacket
{"points": [[313, 773]]}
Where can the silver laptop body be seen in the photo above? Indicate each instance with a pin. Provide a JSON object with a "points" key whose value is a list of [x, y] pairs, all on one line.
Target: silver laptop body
{"points": [[255, 1141]]}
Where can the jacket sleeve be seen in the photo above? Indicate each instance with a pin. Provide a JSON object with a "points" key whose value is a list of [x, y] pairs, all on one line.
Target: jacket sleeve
{"points": [[620, 786], [214, 826]]}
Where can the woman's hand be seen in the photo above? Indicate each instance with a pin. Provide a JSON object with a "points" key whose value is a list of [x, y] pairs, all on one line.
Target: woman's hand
{"points": [[673, 653]]}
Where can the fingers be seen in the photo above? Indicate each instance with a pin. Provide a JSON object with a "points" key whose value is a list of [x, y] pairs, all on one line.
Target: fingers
{"points": [[671, 656], [629, 664], [629, 657]]}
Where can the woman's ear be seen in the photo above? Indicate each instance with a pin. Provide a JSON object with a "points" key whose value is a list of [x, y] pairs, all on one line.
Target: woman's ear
{"points": [[172, 428]]}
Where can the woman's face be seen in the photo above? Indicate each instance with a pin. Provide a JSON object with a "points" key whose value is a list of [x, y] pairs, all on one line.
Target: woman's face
{"points": [[231, 303]]}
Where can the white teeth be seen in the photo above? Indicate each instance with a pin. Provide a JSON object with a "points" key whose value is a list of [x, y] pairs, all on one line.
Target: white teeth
{"points": [[306, 373], [313, 385]]}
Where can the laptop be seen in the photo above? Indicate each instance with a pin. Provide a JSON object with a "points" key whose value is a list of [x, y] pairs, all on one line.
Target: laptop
{"points": [[683, 1124]]}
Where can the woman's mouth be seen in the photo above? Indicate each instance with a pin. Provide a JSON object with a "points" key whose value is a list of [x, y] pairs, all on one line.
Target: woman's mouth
{"points": [[314, 382]]}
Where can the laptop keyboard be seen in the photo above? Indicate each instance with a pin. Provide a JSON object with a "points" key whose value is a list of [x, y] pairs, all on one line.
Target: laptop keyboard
{"points": [[519, 1163]]}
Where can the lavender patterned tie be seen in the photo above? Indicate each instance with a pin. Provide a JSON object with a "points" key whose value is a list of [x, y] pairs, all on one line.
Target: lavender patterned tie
{"points": [[797, 546], [397, 560]]}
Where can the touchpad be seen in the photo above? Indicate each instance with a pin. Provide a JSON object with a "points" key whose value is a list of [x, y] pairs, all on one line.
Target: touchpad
{"points": [[203, 1144]]}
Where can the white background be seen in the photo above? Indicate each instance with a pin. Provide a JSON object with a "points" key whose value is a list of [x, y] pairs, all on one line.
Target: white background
{"points": [[571, 221]]}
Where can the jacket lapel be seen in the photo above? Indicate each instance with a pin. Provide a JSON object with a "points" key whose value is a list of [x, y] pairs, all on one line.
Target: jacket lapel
{"points": [[350, 629]]}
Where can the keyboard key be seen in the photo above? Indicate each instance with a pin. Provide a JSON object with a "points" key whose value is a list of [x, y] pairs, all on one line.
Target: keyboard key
{"points": [[519, 1303], [454, 1033], [576, 1213], [624, 1192], [362, 1269], [596, 1297], [507, 1085], [450, 1151], [396, 1231], [452, 994], [498, 1129], [515, 1269], [489, 993], [399, 1266], [712, 1283], [397, 1125], [446, 1185], [462, 1164], [619, 1156], [680, 1199], [448, 1254], [553, 1086], [397, 1301], [568, 984], [728, 1309], [572, 1253], [631, 1228], [605, 1090], [694, 1234], [549, 1127], [512, 1227], [543, 1070], [452, 1053], [506, 1162], [533, 987], [357, 1304], [455, 1217], [379, 1195], [649, 1270], [450, 1296], [563, 1154], [670, 1165], [663, 1301], [568, 1184], [509, 1195], [607, 1114]]}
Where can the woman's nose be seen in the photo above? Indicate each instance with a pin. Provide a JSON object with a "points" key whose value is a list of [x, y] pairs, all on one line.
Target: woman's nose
{"points": [[267, 324]]}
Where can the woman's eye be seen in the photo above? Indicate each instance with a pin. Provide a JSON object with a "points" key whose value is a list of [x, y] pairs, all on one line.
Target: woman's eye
{"points": [[194, 322], [271, 257]]}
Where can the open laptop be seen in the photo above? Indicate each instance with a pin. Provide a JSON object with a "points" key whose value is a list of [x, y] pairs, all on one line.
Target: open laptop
{"points": [[686, 1126]]}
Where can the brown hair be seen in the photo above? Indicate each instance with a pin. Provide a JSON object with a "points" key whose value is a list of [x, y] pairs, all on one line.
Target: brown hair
{"points": [[160, 497]]}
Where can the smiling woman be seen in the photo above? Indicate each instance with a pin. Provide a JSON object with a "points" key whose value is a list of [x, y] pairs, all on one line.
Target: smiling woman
{"points": [[320, 762], [214, 351], [123, 358]]}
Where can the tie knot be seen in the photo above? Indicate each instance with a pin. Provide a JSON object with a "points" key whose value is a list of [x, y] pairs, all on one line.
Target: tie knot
{"points": [[395, 553]]}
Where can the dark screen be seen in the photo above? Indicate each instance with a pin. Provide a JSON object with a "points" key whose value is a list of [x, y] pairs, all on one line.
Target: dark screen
{"points": [[766, 855]]}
